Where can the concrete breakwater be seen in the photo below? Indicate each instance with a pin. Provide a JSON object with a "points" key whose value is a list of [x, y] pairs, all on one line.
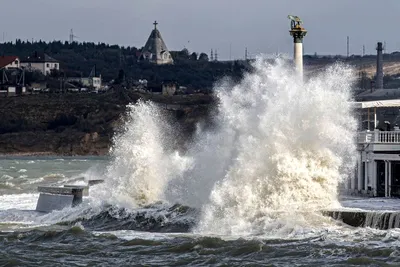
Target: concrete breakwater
{"points": [[361, 218], [57, 198]]}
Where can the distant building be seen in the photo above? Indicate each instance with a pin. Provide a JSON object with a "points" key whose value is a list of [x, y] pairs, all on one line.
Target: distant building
{"points": [[9, 62], [38, 86], [155, 51], [93, 82], [42, 62], [12, 90], [168, 88]]}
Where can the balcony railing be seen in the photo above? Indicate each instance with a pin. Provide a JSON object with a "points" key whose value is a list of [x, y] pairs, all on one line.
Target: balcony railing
{"points": [[379, 137]]}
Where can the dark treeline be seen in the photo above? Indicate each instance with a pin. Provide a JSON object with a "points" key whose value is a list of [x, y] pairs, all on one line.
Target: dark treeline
{"points": [[78, 59]]}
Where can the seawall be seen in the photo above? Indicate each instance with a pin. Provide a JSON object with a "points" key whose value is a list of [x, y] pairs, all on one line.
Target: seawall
{"points": [[373, 219]]}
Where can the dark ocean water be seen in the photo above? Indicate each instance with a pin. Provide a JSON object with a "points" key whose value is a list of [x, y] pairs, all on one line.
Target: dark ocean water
{"points": [[74, 246], [158, 235]]}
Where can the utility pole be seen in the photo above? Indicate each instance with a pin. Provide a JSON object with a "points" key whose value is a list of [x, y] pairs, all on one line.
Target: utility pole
{"points": [[72, 36], [379, 66], [245, 54], [348, 46]]}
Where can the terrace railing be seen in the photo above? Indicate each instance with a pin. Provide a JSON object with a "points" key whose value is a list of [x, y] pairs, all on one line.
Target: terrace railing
{"points": [[379, 137]]}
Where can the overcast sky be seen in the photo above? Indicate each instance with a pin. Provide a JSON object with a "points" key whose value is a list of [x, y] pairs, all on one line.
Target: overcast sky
{"points": [[199, 25]]}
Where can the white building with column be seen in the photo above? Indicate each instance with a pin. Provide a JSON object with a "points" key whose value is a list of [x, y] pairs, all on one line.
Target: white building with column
{"points": [[378, 155]]}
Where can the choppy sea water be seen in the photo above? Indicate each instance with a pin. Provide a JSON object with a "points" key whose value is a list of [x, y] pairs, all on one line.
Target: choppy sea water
{"points": [[98, 234], [248, 192]]}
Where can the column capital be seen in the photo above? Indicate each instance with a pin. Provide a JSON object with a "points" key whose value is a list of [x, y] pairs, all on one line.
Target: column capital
{"points": [[298, 35]]}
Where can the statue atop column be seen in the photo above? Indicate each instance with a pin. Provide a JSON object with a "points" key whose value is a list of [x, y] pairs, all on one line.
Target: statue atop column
{"points": [[296, 29], [295, 21]]}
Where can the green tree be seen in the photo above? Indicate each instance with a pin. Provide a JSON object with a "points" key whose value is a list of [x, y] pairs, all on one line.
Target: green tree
{"points": [[203, 57], [121, 77], [193, 56]]}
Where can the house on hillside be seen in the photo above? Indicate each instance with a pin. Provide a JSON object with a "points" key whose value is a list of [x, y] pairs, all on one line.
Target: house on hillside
{"points": [[12, 80], [91, 82], [168, 88], [42, 62], [9, 62]]}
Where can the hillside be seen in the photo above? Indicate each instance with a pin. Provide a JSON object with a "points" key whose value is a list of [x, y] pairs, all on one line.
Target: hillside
{"points": [[192, 70], [70, 124], [391, 64]]}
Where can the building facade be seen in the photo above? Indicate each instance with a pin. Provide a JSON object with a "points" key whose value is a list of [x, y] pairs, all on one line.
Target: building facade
{"points": [[41, 62], [92, 82], [168, 88], [378, 155], [9, 62]]}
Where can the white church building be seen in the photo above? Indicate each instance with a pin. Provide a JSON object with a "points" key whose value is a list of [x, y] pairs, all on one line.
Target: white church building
{"points": [[155, 51]]}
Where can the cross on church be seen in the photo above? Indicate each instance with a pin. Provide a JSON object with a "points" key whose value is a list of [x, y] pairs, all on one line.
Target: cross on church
{"points": [[155, 24]]}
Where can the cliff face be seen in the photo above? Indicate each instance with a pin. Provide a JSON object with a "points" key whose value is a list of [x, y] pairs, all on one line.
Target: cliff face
{"points": [[79, 124]]}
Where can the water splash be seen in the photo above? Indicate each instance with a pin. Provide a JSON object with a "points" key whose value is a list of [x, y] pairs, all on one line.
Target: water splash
{"points": [[278, 152], [290, 145], [142, 164]]}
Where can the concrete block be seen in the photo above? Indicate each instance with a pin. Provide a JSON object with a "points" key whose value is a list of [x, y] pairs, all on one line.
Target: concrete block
{"points": [[49, 202], [57, 198], [76, 190]]}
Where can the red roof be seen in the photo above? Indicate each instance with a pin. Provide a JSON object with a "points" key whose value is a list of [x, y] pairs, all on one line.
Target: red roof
{"points": [[5, 60]]}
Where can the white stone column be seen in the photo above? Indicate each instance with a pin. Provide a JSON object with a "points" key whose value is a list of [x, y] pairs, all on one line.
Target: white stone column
{"points": [[370, 174], [390, 178], [353, 178], [298, 58], [374, 182], [386, 178], [298, 33], [366, 177], [369, 119], [359, 173]]}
